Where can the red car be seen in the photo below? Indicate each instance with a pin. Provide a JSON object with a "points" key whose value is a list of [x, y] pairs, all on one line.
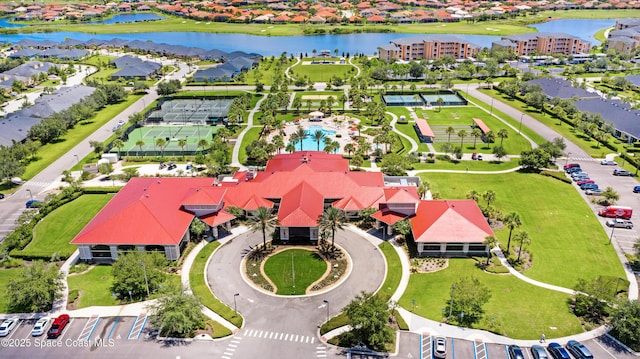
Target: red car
{"points": [[58, 326], [583, 181]]}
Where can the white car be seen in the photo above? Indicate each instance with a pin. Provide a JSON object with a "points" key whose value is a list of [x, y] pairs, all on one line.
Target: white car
{"points": [[440, 347], [608, 163], [41, 327], [619, 223], [7, 326]]}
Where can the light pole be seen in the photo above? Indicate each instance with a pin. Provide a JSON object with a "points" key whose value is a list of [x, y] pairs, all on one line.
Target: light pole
{"points": [[77, 159], [492, 106], [453, 288], [326, 302], [30, 194], [235, 304], [613, 228], [520, 128], [146, 281], [567, 159]]}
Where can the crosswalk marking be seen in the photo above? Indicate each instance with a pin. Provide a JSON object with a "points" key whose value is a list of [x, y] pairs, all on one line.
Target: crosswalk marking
{"points": [[231, 348], [290, 337]]}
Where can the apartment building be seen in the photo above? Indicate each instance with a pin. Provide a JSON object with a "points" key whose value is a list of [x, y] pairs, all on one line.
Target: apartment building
{"points": [[427, 47], [543, 43]]}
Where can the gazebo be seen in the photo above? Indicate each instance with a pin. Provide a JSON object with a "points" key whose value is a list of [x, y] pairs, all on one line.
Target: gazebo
{"points": [[316, 116]]}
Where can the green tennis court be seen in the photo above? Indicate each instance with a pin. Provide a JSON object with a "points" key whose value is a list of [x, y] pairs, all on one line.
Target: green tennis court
{"points": [[171, 135]]}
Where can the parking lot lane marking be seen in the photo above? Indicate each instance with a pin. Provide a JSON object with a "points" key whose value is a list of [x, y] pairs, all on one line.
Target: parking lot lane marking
{"points": [[231, 349], [506, 350], [113, 327], [286, 337], [605, 349], [225, 357], [271, 335], [313, 340], [453, 349], [296, 338], [249, 332], [227, 353], [233, 345], [65, 330], [260, 335], [13, 332]]}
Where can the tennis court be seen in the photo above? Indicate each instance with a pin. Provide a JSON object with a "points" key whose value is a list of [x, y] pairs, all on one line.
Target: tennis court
{"points": [[191, 111], [171, 135]]}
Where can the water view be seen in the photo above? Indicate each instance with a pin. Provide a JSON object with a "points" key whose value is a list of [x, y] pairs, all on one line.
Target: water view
{"points": [[124, 18]]}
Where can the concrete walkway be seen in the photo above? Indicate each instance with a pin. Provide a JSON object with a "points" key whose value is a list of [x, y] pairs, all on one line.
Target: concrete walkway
{"points": [[235, 158], [394, 120]]}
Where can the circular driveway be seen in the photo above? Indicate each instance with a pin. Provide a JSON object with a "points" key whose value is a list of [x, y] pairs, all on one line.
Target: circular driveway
{"points": [[303, 314]]}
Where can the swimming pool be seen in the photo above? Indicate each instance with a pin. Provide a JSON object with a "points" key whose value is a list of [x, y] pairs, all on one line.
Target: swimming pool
{"points": [[309, 143]]}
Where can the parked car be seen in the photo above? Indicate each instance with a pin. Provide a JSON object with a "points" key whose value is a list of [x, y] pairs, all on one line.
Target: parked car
{"points": [[557, 351], [571, 165], [619, 223], [1, 196], [608, 163], [171, 166], [616, 212], [8, 325], [40, 327], [539, 352], [593, 192], [573, 170], [58, 326], [636, 189], [479, 157], [579, 174], [619, 172], [515, 352], [587, 186], [32, 203], [440, 347], [585, 181], [578, 178], [579, 350]]}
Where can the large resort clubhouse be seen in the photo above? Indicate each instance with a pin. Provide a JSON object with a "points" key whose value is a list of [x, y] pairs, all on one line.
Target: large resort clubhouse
{"points": [[154, 214]]}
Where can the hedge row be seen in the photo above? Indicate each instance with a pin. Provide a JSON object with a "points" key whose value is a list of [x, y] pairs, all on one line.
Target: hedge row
{"points": [[557, 175]]}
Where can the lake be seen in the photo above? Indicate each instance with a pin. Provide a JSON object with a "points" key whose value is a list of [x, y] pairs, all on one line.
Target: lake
{"points": [[124, 18], [274, 45]]}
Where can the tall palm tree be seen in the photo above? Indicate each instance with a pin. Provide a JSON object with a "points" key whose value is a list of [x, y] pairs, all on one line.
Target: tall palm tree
{"points": [[318, 136], [182, 142], [502, 134], [450, 131], [489, 196], [512, 221], [118, 143], [423, 188], [140, 144], [203, 144], [162, 143], [490, 136], [462, 134], [522, 238], [474, 195], [332, 219], [300, 134], [490, 241], [476, 133], [262, 220]]}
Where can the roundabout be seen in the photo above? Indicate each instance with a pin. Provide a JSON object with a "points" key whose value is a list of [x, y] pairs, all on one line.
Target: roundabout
{"points": [[273, 317]]}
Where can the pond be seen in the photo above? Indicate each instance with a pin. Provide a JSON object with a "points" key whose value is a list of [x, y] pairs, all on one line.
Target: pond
{"points": [[124, 18]]}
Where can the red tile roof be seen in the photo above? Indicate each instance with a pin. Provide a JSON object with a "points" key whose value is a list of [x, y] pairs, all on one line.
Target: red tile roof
{"points": [[449, 221], [425, 129], [484, 128]]}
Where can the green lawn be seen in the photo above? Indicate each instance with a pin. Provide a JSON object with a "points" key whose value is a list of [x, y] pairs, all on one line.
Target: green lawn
{"points": [[470, 165], [520, 310], [50, 152], [394, 270], [5, 276], [252, 135], [294, 270], [201, 289], [56, 230], [567, 241], [322, 72], [94, 286], [268, 70]]}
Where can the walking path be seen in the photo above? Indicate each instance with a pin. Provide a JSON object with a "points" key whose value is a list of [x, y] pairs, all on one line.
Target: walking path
{"points": [[394, 119], [235, 158]]}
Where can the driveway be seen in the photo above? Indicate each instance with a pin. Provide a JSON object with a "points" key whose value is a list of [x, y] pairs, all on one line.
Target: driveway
{"points": [[290, 323]]}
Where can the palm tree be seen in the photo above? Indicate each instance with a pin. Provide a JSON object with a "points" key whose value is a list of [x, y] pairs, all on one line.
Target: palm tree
{"points": [[502, 134], [462, 134], [476, 133], [297, 103], [300, 134], [330, 101], [140, 144], [490, 241], [474, 195], [440, 102], [278, 141], [512, 221], [423, 188], [118, 143], [522, 238], [343, 99], [162, 143], [317, 136], [262, 220], [308, 102], [332, 219], [489, 196], [203, 144], [349, 148], [450, 131], [490, 136], [182, 142]]}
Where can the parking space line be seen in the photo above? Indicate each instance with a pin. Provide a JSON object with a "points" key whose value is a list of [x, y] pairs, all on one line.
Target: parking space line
{"points": [[506, 350], [89, 327], [113, 327], [138, 325], [15, 329], [65, 330], [453, 349]]}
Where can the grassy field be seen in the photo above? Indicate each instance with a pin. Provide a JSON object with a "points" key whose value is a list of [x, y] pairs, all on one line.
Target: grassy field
{"points": [[268, 69], [94, 286], [589, 145], [567, 242], [5, 276], [251, 135], [201, 290], [294, 270], [394, 270], [520, 310], [469, 165], [55, 231], [50, 152], [321, 72], [587, 14]]}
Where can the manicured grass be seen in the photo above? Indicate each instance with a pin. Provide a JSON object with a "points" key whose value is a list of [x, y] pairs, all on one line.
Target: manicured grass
{"points": [[588, 14], [394, 270], [94, 286], [56, 230], [201, 290], [505, 164], [252, 135], [5, 276], [567, 242], [322, 72], [294, 270], [50, 152], [219, 330], [268, 70], [520, 310]]}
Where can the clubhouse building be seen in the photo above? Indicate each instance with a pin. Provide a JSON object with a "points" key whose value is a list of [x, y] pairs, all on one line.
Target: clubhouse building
{"points": [[154, 214]]}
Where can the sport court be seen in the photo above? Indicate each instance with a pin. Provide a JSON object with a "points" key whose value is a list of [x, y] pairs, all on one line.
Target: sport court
{"points": [[191, 111], [171, 134]]}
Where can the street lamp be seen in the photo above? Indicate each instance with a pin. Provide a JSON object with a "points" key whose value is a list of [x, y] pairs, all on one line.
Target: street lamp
{"points": [[520, 128], [567, 160], [492, 106], [77, 158], [613, 228], [30, 194], [235, 304], [326, 302], [453, 288], [146, 281]]}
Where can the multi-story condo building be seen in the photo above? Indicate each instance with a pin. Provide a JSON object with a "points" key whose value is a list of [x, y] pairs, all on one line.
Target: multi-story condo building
{"points": [[543, 43], [427, 47]]}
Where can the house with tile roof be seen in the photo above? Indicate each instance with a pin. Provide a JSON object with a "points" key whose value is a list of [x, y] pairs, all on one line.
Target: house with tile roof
{"points": [[154, 214]]}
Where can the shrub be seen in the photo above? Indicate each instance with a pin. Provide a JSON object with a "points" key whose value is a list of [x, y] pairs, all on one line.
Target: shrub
{"points": [[557, 175]]}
